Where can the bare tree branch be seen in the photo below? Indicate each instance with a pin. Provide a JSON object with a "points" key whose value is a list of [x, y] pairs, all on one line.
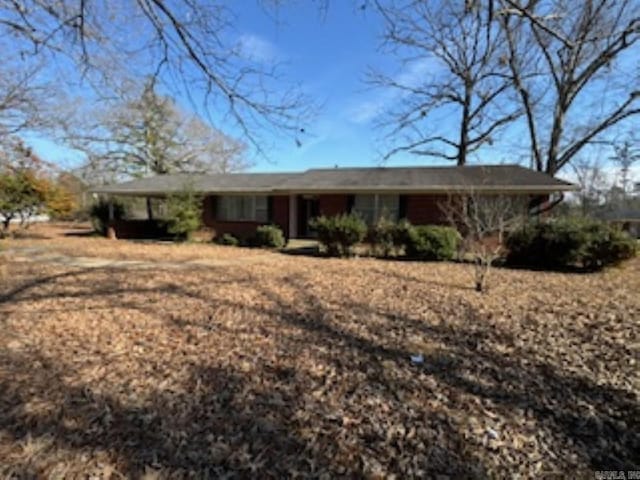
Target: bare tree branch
{"points": [[463, 78], [586, 47], [188, 45]]}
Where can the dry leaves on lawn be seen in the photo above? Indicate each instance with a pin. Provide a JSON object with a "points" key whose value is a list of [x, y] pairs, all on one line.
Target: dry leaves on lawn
{"points": [[301, 367]]}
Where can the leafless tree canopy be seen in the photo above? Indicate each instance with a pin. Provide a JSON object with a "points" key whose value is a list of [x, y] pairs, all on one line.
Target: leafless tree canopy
{"points": [[591, 177], [575, 68], [564, 71], [464, 78], [626, 154], [149, 134], [190, 44], [23, 93]]}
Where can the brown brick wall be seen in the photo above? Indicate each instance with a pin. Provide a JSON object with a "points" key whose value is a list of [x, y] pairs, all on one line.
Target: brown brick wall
{"points": [[245, 229], [332, 204], [424, 209]]}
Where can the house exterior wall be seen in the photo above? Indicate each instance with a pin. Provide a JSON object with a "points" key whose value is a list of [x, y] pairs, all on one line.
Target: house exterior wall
{"points": [[333, 204], [280, 213], [419, 209], [244, 229], [425, 209]]}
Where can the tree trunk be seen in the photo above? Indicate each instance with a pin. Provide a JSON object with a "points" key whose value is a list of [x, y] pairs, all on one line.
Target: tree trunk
{"points": [[464, 126], [556, 135]]}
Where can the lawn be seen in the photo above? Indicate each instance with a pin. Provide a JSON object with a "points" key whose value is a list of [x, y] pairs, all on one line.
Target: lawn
{"points": [[290, 366]]}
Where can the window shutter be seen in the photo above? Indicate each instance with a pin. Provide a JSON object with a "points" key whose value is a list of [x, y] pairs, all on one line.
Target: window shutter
{"points": [[270, 209], [402, 207], [351, 199]]}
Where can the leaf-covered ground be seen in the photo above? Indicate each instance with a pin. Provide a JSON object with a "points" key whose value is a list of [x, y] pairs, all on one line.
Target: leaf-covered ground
{"points": [[300, 367]]}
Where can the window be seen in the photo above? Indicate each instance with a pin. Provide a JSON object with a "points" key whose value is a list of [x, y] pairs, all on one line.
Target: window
{"points": [[248, 208], [365, 206], [372, 207], [389, 206]]}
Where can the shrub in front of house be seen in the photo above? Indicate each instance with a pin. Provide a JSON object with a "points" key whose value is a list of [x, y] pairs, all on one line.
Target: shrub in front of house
{"points": [[401, 235], [99, 214], [269, 236], [382, 236], [569, 243], [388, 237], [340, 233], [227, 239], [184, 214], [432, 242], [609, 246]]}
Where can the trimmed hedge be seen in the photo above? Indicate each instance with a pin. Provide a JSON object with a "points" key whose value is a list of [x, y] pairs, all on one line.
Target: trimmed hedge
{"points": [[340, 233], [432, 242], [569, 243], [269, 236]]}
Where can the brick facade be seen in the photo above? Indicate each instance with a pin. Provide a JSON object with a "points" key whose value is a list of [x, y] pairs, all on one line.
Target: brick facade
{"points": [[419, 209], [425, 209], [333, 204], [245, 229]]}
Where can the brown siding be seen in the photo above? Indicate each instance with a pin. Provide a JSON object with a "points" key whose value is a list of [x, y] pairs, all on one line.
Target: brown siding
{"points": [[333, 204], [425, 209], [245, 229]]}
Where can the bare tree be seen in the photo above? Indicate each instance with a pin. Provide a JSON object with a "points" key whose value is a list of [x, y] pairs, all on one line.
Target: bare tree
{"points": [[464, 78], [626, 154], [189, 44], [150, 135], [574, 67], [593, 183], [483, 220], [23, 93]]}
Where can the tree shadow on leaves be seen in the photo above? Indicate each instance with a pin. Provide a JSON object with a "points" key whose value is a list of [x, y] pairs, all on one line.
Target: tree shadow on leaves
{"points": [[343, 397]]}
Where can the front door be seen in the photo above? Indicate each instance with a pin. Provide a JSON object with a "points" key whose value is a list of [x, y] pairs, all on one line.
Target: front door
{"points": [[308, 208]]}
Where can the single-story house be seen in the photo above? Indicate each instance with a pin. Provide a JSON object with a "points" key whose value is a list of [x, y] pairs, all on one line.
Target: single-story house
{"points": [[237, 203]]}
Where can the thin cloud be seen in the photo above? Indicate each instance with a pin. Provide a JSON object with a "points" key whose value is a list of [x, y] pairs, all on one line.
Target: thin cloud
{"points": [[367, 110], [257, 48]]}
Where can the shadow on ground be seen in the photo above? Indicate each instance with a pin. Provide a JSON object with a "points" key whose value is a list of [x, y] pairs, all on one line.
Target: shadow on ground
{"points": [[326, 396]]}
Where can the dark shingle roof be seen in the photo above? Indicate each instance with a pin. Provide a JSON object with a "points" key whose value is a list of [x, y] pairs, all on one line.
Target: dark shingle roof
{"points": [[425, 178], [408, 179], [203, 183]]}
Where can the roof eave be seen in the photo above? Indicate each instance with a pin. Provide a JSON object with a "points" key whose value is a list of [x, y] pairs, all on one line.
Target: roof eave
{"points": [[532, 189]]}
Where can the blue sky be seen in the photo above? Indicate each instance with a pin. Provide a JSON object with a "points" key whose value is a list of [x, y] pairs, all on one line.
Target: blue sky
{"points": [[328, 55]]}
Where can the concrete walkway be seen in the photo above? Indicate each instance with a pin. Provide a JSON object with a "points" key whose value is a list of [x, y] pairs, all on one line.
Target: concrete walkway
{"points": [[46, 255]]}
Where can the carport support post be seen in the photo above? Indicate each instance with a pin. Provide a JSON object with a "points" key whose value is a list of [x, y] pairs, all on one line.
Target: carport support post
{"points": [[111, 231]]}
